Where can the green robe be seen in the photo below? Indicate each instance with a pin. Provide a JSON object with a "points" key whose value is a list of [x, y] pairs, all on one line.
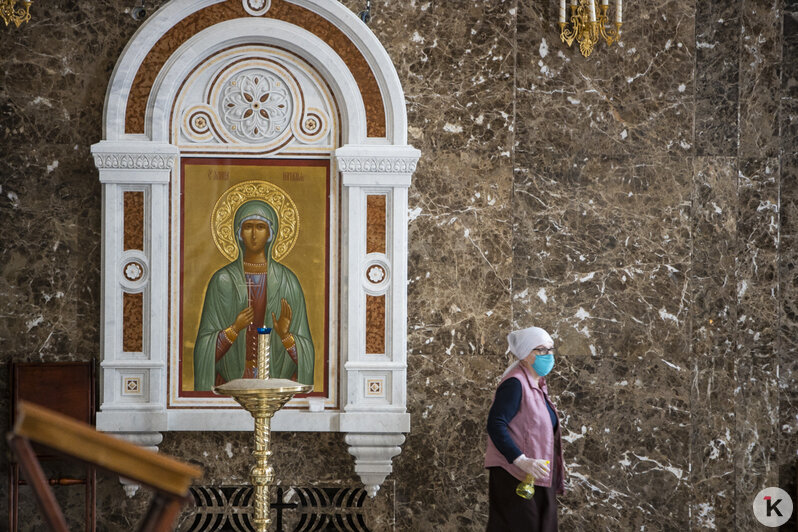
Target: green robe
{"points": [[227, 296]]}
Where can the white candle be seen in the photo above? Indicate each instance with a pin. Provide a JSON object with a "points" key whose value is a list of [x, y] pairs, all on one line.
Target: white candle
{"points": [[605, 2], [573, 3], [263, 353], [592, 11], [618, 13], [562, 11]]}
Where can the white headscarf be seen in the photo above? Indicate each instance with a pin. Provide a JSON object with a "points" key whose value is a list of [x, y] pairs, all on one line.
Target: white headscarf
{"points": [[522, 342]]}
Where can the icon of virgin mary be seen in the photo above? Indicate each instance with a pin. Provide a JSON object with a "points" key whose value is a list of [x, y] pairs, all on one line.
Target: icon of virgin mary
{"points": [[253, 291]]}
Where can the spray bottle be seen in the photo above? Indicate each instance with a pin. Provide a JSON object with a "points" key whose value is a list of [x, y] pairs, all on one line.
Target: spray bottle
{"points": [[526, 489]]}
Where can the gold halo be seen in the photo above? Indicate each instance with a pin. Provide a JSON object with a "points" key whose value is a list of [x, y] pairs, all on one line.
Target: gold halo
{"points": [[224, 212]]}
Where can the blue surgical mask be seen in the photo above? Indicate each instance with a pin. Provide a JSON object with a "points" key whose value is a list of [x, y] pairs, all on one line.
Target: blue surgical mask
{"points": [[543, 364]]}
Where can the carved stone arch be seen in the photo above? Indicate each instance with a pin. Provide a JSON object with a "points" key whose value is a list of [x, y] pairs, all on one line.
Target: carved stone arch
{"points": [[270, 32], [331, 47], [179, 20]]}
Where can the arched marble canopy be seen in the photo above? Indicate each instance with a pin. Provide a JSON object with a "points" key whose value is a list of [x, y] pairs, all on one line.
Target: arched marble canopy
{"points": [[186, 29], [372, 157]]}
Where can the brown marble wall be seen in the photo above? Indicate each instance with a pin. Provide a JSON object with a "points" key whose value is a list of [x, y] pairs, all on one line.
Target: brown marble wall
{"points": [[642, 205], [786, 347]]}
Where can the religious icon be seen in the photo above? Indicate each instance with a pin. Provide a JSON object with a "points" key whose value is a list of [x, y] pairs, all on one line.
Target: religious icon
{"points": [[256, 248], [254, 290]]}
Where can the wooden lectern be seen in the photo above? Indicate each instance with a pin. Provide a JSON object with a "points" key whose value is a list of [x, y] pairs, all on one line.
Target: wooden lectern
{"points": [[169, 478]]}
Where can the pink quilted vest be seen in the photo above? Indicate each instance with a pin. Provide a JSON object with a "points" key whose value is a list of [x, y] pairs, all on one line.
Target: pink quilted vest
{"points": [[531, 431]]}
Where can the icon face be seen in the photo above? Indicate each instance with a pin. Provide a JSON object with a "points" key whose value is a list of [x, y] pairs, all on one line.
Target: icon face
{"points": [[772, 507]]}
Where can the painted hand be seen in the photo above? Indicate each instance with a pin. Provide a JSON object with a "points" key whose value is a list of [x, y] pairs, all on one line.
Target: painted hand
{"points": [[243, 319], [282, 325]]}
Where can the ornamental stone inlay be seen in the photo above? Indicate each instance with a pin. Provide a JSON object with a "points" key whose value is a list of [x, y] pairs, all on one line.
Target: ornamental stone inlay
{"points": [[400, 165], [200, 122], [376, 274], [374, 388], [134, 161], [256, 106], [131, 386], [257, 8], [133, 271]]}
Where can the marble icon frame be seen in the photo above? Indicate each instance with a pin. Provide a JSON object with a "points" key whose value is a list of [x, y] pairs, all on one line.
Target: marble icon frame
{"points": [[148, 161]]}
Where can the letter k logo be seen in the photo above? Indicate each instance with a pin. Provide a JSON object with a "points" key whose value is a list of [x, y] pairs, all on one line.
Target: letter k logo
{"points": [[772, 506]]}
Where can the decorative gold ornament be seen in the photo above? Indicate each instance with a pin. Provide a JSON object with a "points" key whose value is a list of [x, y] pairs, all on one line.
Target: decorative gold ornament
{"points": [[224, 212], [586, 26], [262, 397], [13, 13]]}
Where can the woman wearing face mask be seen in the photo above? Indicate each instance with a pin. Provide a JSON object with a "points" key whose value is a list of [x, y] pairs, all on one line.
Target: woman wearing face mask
{"points": [[524, 438]]}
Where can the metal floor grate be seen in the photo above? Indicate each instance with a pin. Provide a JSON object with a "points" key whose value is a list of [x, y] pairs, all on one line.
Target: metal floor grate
{"points": [[228, 509]]}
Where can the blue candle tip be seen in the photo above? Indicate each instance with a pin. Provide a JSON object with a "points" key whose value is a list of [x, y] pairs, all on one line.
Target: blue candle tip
{"points": [[264, 330]]}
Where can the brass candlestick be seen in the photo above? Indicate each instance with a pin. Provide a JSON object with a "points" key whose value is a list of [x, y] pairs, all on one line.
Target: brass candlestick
{"points": [[262, 397]]}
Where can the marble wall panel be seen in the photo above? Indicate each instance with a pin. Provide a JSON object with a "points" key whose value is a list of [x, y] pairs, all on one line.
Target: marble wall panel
{"points": [[604, 265], [441, 482], [713, 345], [59, 67], [757, 400], [49, 223], [456, 62], [760, 78], [605, 259], [717, 35], [459, 265], [630, 446], [758, 233], [757, 434], [788, 328], [789, 79], [631, 98], [788, 281], [757, 322]]}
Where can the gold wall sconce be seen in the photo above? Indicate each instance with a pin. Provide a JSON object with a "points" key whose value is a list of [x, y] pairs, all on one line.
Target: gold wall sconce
{"points": [[11, 12], [588, 22]]}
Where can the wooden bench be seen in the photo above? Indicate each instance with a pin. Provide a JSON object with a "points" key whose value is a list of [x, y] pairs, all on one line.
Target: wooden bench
{"points": [[168, 477]]}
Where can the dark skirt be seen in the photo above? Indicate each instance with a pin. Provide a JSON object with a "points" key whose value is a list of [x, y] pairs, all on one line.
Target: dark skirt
{"points": [[507, 512]]}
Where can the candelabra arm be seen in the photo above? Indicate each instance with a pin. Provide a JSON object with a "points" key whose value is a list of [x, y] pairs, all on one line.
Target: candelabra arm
{"points": [[612, 35], [12, 13], [568, 32]]}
